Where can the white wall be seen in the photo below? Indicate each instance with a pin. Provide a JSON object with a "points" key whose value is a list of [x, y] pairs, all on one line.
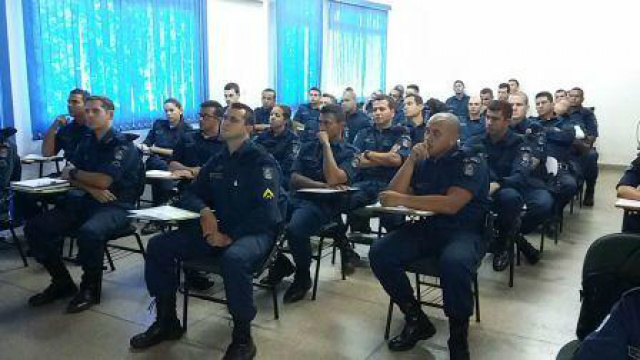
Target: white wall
{"points": [[553, 44]]}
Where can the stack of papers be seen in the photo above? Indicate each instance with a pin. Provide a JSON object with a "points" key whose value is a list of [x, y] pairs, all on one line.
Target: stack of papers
{"points": [[159, 174], [325, 190], [41, 184], [400, 210], [628, 204], [163, 213], [36, 157]]}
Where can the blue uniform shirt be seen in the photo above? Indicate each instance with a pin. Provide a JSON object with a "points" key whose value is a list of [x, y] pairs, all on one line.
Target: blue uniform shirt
{"points": [[559, 135], [355, 122], [164, 136], [262, 115], [618, 337], [470, 128], [416, 132], [521, 127], [455, 169], [242, 188], [309, 117], [193, 149], [284, 149], [631, 176], [308, 163], [114, 155], [68, 137], [585, 118], [459, 107], [393, 138]]}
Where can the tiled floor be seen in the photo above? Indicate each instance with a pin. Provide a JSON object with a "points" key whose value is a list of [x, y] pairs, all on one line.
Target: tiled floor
{"points": [[532, 320]]}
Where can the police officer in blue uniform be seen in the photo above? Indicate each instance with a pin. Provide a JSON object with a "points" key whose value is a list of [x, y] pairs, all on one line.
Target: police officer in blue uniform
{"points": [[584, 151], [236, 194], [514, 168], [416, 122], [383, 148], [160, 142], [438, 176], [263, 113], [458, 104], [64, 134], [627, 188], [474, 124], [195, 148], [397, 94], [558, 134], [107, 177], [356, 119], [618, 337], [308, 114], [9, 170], [328, 162], [281, 141]]}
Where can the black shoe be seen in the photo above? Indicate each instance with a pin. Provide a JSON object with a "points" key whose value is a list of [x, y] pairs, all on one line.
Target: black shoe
{"points": [[83, 300], [501, 260], [530, 253], [281, 269], [417, 327], [297, 290], [150, 228], [240, 351], [351, 260], [166, 327], [55, 291], [458, 345], [588, 199], [198, 281]]}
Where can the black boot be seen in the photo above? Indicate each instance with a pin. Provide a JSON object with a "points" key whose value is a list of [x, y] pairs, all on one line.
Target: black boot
{"points": [[89, 293], [588, 195], [299, 288], [417, 327], [242, 346], [281, 269], [530, 253], [61, 287], [166, 327], [501, 254], [458, 345]]}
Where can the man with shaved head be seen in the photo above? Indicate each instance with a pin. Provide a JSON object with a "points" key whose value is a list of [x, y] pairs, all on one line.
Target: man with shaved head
{"points": [[520, 104], [438, 176], [474, 125]]}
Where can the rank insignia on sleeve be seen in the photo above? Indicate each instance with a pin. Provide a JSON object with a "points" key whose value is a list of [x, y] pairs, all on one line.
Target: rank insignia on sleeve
{"points": [[468, 170], [267, 173], [267, 194]]}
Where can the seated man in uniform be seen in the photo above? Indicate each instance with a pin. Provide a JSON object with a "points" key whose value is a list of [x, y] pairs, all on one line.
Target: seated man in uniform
{"points": [[160, 141], [327, 162], [356, 119], [436, 177], [585, 152], [195, 148], [414, 112], [514, 168], [474, 125], [307, 116], [106, 176], [627, 188], [503, 91], [458, 104], [263, 113], [280, 141], [236, 194], [63, 134]]}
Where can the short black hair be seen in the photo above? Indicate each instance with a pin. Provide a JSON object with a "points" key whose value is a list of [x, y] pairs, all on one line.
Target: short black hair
{"points": [[545, 94], [414, 87], [219, 110], [270, 90], [335, 111], [349, 88], [249, 118], [173, 101], [400, 89], [502, 106], [515, 81], [458, 82], [390, 101], [232, 86], [579, 90], [417, 98], [315, 88], [77, 91], [505, 86], [487, 91], [333, 98], [286, 111], [106, 103], [561, 90]]}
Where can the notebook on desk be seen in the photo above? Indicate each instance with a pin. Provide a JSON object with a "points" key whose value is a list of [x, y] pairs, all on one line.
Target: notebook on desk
{"points": [[163, 213], [40, 183]]}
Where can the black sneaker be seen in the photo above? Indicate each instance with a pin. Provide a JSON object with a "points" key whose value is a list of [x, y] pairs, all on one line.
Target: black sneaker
{"points": [[53, 292], [297, 291], [240, 351], [351, 260], [83, 300], [281, 269], [531, 254], [414, 330], [501, 260]]}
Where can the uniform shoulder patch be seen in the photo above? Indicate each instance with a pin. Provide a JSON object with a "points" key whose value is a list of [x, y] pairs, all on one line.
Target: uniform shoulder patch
{"points": [[267, 173], [267, 194]]}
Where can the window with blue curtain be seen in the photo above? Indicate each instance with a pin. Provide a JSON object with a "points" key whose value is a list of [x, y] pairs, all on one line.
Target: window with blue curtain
{"points": [[136, 52], [6, 107], [356, 48], [298, 49]]}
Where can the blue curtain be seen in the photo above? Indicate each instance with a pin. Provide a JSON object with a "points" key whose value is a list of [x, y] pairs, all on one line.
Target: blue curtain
{"points": [[137, 52], [6, 107], [298, 48], [356, 49]]}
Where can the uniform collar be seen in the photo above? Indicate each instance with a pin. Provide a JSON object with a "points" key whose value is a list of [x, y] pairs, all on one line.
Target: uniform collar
{"points": [[509, 139], [450, 154], [108, 137]]}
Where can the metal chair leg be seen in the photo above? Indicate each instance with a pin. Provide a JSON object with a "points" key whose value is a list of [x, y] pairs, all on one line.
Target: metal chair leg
{"points": [[274, 293], [16, 242], [317, 275], [389, 316], [476, 293]]}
